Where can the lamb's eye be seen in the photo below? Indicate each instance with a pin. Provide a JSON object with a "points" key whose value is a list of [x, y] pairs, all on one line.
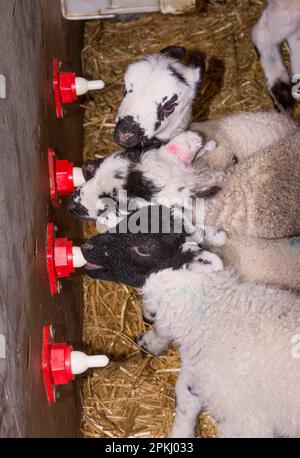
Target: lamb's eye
{"points": [[124, 90], [141, 250]]}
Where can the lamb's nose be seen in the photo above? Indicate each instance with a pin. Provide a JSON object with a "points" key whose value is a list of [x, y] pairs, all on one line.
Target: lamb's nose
{"points": [[127, 132], [124, 136]]}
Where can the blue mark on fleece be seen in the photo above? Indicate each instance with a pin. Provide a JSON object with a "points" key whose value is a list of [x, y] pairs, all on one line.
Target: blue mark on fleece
{"points": [[200, 305], [272, 59], [294, 242]]}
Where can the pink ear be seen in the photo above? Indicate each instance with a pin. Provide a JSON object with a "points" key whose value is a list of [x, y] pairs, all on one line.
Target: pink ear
{"points": [[184, 155]]}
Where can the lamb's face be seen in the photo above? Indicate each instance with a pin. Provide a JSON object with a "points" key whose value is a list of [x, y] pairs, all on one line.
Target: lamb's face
{"points": [[123, 182], [111, 184], [105, 178], [158, 96], [131, 257]]}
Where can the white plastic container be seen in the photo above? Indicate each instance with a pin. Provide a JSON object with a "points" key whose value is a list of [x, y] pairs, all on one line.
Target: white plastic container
{"points": [[95, 9]]}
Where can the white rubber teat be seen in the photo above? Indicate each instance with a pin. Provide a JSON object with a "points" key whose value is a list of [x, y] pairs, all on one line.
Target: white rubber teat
{"points": [[78, 178], [80, 362], [78, 259], [83, 85]]}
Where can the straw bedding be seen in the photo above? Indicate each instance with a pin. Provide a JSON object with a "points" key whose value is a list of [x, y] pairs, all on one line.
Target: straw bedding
{"points": [[134, 395]]}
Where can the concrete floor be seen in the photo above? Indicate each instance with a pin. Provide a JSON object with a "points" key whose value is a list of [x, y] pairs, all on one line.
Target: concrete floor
{"points": [[32, 33]]}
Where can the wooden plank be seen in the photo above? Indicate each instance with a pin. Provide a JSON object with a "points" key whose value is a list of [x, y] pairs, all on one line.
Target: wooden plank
{"points": [[34, 32]]}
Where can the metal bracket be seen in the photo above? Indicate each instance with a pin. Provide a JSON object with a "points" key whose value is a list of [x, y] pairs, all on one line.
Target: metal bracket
{"points": [[2, 87]]}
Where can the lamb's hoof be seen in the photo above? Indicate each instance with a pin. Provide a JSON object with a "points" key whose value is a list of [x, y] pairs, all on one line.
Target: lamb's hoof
{"points": [[281, 93], [220, 238], [139, 341], [210, 145], [150, 318], [208, 261]]}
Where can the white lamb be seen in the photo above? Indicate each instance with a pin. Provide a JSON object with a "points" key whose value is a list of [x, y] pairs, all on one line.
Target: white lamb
{"points": [[239, 341], [236, 341]]}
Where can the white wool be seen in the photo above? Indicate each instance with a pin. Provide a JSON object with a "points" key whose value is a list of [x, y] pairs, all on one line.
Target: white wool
{"points": [[243, 134], [236, 344]]}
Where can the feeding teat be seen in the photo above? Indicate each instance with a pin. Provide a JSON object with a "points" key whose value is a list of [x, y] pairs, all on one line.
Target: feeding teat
{"points": [[62, 258], [67, 87], [60, 363], [63, 177]]}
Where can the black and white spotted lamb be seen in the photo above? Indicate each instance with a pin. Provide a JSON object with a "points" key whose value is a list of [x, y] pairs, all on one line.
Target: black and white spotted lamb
{"points": [[238, 341]]}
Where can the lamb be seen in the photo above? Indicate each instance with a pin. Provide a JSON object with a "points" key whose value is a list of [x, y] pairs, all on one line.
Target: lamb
{"points": [[147, 118], [174, 179], [237, 340], [279, 22]]}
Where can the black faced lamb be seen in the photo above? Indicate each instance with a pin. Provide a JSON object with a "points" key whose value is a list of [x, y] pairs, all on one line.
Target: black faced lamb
{"points": [[238, 341]]}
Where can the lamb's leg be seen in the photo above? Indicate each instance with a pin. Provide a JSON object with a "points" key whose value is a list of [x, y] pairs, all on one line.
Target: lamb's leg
{"points": [[188, 407], [149, 315], [206, 262], [267, 35], [153, 342]]}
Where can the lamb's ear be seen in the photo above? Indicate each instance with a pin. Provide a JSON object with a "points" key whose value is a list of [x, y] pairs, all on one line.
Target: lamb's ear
{"points": [[176, 52], [90, 167], [196, 61], [206, 262]]}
